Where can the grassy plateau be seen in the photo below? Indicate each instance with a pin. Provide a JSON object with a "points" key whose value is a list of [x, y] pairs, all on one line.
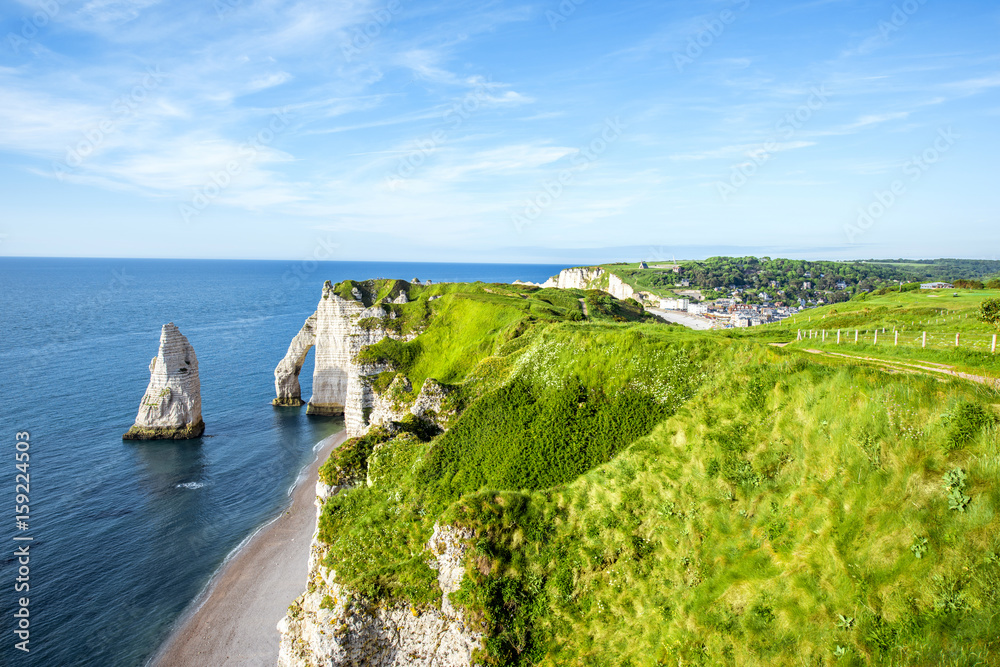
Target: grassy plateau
{"points": [[642, 494]]}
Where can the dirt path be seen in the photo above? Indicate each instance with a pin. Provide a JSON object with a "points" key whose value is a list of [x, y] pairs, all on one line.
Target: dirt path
{"points": [[586, 313], [910, 367]]}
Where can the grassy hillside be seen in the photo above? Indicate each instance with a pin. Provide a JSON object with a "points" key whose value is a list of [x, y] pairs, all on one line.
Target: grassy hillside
{"points": [[940, 313], [642, 494]]}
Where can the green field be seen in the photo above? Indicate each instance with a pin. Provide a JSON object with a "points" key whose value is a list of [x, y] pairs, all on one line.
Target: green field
{"points": [[642, 494]]}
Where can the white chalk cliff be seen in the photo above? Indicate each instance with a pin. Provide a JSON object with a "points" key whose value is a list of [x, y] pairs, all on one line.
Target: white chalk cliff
{"points": [[593, 277], [171, 406], [286, 375], [337, 331], [327, 627]]}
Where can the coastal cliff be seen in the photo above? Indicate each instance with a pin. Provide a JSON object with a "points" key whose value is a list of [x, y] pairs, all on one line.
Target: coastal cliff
{"points": [[369, 338], [171, 406], [551, 477], [345, 322], [329, 626], [286, 375], [588, 278]]}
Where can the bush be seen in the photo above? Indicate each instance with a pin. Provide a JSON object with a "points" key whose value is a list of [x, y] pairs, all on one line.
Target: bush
{"points": [[966, 422], [968, 284], [989, 312]]}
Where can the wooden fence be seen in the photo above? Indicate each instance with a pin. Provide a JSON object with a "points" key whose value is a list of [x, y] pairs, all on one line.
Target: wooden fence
{"points": [[897, 337]]}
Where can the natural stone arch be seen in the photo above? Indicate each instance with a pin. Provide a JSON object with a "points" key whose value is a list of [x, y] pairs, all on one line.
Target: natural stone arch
{"points": [[286, 375]]}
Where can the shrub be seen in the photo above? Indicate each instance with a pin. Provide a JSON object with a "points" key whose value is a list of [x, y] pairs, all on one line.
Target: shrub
{"points": [[989, 312], [967, 420]]}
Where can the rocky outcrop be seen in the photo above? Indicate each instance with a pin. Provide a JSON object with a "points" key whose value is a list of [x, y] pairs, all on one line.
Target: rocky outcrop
{"points": [[338, 330], [391, 405], [327, 627], [397, 402], [432, 404], [286, 375], [619, 289], [171, 406], [592, 277]]}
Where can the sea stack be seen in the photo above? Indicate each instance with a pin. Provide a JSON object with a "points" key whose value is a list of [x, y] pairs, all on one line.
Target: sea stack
{"points": [[171, 406]]}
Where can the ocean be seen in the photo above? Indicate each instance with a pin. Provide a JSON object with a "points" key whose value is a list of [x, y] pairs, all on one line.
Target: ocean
{"points": [[125, 535]]}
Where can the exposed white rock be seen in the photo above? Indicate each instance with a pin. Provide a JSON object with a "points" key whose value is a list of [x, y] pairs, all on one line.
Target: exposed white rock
{"points": [[335, 318], [448, 543], [325, 628], [618, 288], [338, 330], [386, 407], [171, 406], [430, 404], [286, 375], [589, 278]]}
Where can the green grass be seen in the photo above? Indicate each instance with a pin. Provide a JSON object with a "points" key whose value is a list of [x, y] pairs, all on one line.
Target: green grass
{"points": [[741, 529], [642, 494], [937, 312]]}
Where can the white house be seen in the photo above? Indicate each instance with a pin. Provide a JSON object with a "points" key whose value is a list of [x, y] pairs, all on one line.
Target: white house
{"points": [[937, 286], [697, 308]]}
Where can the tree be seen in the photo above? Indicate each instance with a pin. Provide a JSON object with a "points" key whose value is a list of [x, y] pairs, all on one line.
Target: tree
{"points": [[989, 311]]}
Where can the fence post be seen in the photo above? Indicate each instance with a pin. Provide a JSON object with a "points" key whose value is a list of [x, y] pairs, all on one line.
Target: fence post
{"points": [[925, 340], [876, 337], [838, 337], [956, 339], [994, 348], [798, 335], [855, 335], [896, 342], [824, 335]]}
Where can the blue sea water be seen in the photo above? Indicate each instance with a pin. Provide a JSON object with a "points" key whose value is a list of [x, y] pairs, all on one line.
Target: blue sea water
{"points": [[125, 534]]}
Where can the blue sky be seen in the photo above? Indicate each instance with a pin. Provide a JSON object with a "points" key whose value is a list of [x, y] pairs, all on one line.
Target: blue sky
{"points": [[499, 131]]}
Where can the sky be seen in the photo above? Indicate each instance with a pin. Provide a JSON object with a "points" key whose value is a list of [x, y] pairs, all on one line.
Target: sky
{"points": [[461, 130]]}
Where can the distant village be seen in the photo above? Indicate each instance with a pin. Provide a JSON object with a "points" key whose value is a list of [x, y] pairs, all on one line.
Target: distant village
{"points": [[731, 312], [744, 307]]}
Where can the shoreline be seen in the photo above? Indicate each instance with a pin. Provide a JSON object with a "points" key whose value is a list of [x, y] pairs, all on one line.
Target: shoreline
{"points": [[679, 317], [234, 620]]}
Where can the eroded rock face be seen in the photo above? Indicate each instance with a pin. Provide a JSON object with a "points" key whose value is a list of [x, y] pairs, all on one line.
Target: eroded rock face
{"points": [[430, 404], [335, 318], [619, 289], [286, 375], [338, 330], [171, 406], [325, 628], [590, 278]]}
